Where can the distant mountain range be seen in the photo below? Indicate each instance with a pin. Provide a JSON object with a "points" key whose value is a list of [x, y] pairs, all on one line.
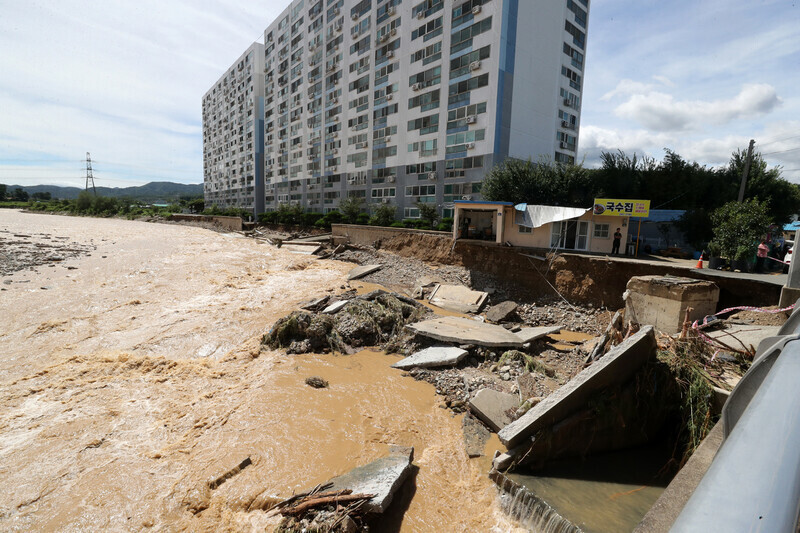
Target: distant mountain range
{"points": [[153, 191]]}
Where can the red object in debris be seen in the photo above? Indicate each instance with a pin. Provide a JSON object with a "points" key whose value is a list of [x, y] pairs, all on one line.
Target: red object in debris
{"points": [[699, 263]]}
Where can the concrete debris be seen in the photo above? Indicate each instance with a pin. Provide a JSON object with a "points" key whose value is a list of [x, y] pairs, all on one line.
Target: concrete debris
{"points": [[314, 304], [432, 357], [457, 298], [464, 330], [526, 384], [501, 312], [614, 368], [335, 307], [303, 248], [382, 477], [494, 408], [527, 335], [316, 382], [361, 271], [475, 436], [662, 301]]}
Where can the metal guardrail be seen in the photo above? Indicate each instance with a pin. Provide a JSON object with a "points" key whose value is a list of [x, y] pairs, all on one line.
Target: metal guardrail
{"points": [[753, 483]]}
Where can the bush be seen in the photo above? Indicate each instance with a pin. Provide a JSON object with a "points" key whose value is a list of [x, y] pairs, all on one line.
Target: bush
{"points": [[738, 227], [363, 219], [397, 224], [310, 219], [270, 217], [383, 215]]}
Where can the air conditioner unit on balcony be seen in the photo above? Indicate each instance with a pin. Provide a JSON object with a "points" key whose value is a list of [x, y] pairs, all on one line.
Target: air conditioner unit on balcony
{"points": [[361, 146], [475, 65], [476, 10], [332, 168], [354, 16], [351, 181], [394, 30], [470, 146], [390, 179], [567, 102], [472, 119], [384, 200], [336, 12], [335, 151], [466, 197], [390, 54], [387, 139], [415, 87], [389, 96], [562, 144], [432, 176], [384, 38], [338, 27], [390, 10], [421, 15]]}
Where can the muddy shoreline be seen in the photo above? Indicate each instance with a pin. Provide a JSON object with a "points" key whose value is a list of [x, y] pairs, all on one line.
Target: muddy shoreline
{"points": [[138, 375]]}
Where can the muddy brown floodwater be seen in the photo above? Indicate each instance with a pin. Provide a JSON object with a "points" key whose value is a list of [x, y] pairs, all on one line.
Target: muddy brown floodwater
{"points": [[132, 379]]}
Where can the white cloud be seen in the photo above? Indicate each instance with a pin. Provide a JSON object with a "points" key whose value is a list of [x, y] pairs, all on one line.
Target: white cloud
{"points": [[662, 112]]}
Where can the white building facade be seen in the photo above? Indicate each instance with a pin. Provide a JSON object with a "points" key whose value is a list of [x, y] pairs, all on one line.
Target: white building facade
{"points": [[408, 101], [233, 141]]}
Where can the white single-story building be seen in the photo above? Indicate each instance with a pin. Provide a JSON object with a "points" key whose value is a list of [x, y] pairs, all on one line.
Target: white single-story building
{"points": [[538, 226]]}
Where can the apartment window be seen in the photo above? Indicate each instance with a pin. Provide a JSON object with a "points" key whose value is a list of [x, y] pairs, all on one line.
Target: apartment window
{"points": [[387, 30], [360, 85], [360, 159], [580, 14], [564, 158], [425, 101], [456, 191], [461, 65], [360, 47], [458, 142], [361, 8], [360, 28], [425, 125], [572, 76], [387, 51], [382, 74], [360, 104], [382, 13], [384, 192], [424, 148], [461, 39], [525, 229], [427, 78], [571, 100], [380, 134], [429, 54], [421, 168], [463, 12], [427, 8], [578, 37], [601, 231], [379, 154], [457, 118], [429, 30], [460, 91], [422, 191], [411, 212], [575, 57]]}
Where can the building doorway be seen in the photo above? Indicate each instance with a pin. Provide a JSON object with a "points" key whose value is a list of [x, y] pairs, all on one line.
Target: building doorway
{"points": [[570, 235]]}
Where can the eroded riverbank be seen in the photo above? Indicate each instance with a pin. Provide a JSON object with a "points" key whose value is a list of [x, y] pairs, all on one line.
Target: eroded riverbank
{"points": [[131, 379]]}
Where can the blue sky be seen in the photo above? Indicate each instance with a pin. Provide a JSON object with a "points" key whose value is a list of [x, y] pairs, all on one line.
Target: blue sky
{"points": [[123, 80]]}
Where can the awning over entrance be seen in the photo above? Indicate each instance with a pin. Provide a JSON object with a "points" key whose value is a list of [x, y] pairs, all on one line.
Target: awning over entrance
{"points": [[534, 216]]}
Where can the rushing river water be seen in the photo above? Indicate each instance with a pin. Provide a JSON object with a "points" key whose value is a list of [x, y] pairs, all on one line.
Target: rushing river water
{"points": [[132, 376]]}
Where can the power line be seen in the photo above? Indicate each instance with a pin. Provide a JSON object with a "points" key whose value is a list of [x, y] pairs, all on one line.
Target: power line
{"points": [[779, 140], [782, 151]]}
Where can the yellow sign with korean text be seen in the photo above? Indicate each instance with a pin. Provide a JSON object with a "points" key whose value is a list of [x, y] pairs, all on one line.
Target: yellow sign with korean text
{"points": [[621, 208]]}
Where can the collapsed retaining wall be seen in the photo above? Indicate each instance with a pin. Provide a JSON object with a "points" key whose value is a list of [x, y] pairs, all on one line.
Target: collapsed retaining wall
{"points": [[579, 278], [228, 223]]}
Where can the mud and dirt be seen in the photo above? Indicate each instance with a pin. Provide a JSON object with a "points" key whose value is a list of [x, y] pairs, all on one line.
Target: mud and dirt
{"points": [[135, 393]]}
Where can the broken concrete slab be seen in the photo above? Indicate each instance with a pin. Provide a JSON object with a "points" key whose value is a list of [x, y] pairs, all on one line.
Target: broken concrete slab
{"points": [[432, 357], [494, 408], [302, 249], [382, 477], [527, 335], [335, 307], [661, 301], [314, 304], [466, 331], [501, 311], [743, 336], [475, 436], [617, 366], [362, 270], [457, 298]]}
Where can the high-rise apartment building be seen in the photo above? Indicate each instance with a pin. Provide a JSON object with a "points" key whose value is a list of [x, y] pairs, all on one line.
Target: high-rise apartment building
{"points": [[233, 135], [409, 101]]}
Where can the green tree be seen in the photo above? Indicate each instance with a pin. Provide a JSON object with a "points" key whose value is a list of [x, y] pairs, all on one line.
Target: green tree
{"points": [[3, 191], [545, 182], [350, 208], [383, 215], [428, 214], [196, 205], [20, 195], [84, 202], [763, 182], [41, 196], [739, 226]]}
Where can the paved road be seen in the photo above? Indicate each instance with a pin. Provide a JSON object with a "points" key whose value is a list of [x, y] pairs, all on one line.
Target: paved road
{"points": [[776, 278]]}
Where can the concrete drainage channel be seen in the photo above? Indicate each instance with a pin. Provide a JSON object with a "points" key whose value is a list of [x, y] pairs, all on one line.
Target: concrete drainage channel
{"points": [[636, 385]]}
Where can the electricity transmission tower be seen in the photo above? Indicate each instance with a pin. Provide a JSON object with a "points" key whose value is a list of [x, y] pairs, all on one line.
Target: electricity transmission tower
{"points": [[89, 177]]}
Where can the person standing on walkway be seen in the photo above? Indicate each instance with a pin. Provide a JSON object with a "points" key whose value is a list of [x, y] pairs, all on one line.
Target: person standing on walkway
{"points": [[615, 245], [761, 256]]}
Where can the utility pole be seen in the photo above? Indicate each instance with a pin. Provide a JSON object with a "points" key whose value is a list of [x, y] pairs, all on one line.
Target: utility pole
{"points": [[746, 170], [89, 177]]}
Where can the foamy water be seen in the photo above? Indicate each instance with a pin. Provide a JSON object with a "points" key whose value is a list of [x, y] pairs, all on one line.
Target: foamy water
{"points": [[131, 381]]}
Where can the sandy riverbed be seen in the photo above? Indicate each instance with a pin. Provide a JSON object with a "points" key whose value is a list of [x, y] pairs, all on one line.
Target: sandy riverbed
{"points": [[129, 380]]}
